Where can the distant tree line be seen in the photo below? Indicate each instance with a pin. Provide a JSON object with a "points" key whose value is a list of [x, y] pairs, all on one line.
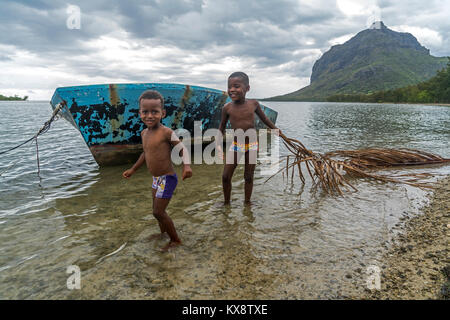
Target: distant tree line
{"points": [[434, 90], [15, 98]]}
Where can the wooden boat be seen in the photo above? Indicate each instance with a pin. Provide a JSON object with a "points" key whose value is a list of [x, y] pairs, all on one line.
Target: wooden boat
{"points": [[107, 114]]}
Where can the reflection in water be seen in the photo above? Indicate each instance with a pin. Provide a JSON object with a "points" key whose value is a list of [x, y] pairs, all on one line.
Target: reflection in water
{"points": [[356, 126], [289, 244]]}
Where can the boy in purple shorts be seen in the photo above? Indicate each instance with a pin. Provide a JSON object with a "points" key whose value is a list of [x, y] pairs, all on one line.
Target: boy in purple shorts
{"points": [[157, 142]]}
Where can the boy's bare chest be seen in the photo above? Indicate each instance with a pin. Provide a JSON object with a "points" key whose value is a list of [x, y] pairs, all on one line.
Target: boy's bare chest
{"points": [[154, 142], [243, 113]]}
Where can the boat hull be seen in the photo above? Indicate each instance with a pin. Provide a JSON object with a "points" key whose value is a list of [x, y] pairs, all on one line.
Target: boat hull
{"points": [[107, 115]]}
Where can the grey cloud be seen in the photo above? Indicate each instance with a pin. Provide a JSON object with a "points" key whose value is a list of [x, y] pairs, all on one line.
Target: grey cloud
{"points": [[40, 30], [4, 57], [141, 18], [262, 29], [267, 33]]}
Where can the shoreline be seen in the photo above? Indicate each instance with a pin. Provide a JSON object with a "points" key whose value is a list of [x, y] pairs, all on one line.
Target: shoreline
{"points": [[411, 103], [417, 264]]}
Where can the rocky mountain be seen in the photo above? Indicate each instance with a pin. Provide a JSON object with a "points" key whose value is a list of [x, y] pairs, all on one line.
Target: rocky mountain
{"points": [[375, 59]]}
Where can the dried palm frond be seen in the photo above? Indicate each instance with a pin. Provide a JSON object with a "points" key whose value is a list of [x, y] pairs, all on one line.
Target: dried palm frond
{"points": [[328, 173], [382, 158]]}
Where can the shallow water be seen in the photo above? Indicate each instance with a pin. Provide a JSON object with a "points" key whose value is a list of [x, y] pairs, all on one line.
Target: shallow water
{"points": [[290, 244]]}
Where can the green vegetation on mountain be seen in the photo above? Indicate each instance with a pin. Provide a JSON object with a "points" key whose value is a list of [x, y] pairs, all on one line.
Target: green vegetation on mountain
{"points": [[375, 59], [15, 98], [434, 90]]}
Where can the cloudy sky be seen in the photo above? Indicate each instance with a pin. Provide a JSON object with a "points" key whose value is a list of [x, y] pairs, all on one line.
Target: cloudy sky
{"points": [[45, 44]]}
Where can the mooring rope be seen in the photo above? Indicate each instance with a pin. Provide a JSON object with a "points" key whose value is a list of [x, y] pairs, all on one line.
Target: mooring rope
{"points": [[44, 129]]}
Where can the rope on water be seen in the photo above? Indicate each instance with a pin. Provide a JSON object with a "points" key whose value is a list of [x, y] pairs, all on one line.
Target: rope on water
{"points": [[44, 129]]}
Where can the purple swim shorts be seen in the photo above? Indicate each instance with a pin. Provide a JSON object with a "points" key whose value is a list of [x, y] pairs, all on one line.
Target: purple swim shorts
{"points": [[165, 185]]}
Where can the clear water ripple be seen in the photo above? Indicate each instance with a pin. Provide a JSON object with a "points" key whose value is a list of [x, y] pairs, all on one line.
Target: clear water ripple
{"points": [[290, 243]]}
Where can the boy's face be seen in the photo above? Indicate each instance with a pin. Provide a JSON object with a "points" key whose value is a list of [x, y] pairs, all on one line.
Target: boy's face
{"points": [[237, 89], [151, 112]]}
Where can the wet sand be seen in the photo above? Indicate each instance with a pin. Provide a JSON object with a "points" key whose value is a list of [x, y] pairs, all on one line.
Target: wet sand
{"points": [[417, 265]]}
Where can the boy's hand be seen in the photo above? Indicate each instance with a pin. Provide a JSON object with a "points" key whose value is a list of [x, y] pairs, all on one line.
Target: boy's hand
{"points": [[128, 173], [187, 172]]}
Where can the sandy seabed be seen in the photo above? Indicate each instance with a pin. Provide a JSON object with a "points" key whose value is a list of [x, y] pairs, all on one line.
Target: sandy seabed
{"points": [[417, 266]]}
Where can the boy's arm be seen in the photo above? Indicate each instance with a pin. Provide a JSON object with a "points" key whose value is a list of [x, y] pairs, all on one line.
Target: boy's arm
{"points": [[128, 173], [185, 156], [264, 118], [223, 119], [223, 123]]}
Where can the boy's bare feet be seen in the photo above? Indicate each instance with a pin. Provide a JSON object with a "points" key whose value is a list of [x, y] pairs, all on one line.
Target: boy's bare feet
{"points": [[170, 245]]}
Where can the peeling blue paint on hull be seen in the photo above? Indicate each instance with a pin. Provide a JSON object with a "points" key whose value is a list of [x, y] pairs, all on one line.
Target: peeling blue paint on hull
{"points": [[107, 114]]}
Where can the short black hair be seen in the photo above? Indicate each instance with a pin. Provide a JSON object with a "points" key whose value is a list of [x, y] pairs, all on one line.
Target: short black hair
{"points": [[240, 75], [151, 94]]}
